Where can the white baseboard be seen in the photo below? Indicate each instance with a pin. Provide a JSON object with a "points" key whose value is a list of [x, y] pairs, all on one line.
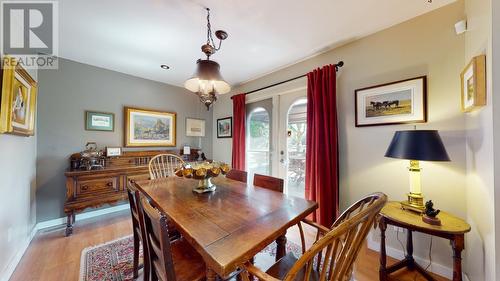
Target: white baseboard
{"points": [[83, 216], [53, 223], [398, 254], [19, 255]]}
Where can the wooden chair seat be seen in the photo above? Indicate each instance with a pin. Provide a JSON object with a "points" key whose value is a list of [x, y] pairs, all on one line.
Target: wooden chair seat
{"points": [[188, 264], [281, 268]]}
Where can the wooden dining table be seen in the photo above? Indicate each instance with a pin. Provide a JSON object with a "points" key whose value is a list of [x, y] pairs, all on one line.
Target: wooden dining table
{"points": [[231, 225]]}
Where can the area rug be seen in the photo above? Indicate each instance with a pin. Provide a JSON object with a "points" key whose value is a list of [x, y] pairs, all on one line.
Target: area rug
{"points": [[113, 261]]}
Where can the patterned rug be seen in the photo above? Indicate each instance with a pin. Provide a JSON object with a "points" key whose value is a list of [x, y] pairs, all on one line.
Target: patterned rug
{"points": [[113, 261]]}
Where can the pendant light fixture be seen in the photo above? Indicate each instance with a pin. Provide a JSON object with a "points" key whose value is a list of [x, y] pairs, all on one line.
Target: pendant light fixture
{"points": [[207, 81]]}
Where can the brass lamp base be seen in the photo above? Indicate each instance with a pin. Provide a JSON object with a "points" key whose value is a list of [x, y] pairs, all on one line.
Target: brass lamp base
{"points": [[415, 203]]}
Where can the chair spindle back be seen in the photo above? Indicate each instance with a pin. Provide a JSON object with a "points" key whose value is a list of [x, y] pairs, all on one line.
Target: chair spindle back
{"points": [[164, 165]]}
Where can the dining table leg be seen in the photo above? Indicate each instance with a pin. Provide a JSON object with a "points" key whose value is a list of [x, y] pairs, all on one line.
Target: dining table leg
{"points": [[281, 246], [211, 275]]}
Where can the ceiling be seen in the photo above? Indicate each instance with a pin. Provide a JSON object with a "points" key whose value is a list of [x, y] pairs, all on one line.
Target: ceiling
{"points": [[137, 36]]}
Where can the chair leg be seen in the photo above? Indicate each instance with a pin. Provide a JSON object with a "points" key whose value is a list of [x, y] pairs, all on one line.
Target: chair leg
{"points": [[136, 255], [147, 266]]}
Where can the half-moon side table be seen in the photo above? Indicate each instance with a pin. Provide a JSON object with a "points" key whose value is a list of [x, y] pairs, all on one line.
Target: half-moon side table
{"points": [[451, 228]]}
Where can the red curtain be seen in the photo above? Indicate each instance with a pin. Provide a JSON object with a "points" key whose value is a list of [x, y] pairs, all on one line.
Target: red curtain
{"points": [[322, 148], [239, 117]]}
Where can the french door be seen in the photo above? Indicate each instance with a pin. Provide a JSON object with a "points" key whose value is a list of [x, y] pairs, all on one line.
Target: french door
{"points": [[276, 139]]}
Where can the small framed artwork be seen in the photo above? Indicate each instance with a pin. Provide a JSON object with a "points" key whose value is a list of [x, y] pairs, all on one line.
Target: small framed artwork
{"points": [[113, 151], [225, 127], [195, 127], [399, 102], [18, 99], [144, 128], [474, 84], [99, 121]]}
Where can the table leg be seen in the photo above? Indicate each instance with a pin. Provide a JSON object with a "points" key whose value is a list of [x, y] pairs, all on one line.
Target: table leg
{"points": [[211, 275], [458, 245], [383, 254], [69, 223], [281, 246], [409, 250]]}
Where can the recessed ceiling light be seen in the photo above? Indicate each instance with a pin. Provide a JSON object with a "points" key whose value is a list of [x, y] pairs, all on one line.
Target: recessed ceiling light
{"points": [[164, 66]]}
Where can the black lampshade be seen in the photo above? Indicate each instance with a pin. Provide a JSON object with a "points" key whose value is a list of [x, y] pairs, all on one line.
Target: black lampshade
{"points": [[423, 145]]}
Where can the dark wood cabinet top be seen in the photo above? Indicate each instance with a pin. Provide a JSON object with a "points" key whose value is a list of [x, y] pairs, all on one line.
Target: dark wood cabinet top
{"points": [[232, 224]]}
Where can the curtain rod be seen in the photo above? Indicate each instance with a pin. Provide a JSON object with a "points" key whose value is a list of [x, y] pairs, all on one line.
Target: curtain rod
{"points": [[337, 66]]}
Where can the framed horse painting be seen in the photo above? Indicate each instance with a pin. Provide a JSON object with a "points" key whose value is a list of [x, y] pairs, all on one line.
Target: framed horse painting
{"points": [[400, 102]]}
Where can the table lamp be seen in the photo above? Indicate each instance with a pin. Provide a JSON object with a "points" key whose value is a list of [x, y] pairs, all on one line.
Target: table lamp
{"points": [[416, 145]]}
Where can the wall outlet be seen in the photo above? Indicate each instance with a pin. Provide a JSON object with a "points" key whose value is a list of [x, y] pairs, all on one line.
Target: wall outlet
{"points": [[399, 229]]}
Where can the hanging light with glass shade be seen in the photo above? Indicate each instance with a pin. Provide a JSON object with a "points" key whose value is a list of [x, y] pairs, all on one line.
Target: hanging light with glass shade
{"points": [[207, 81]]}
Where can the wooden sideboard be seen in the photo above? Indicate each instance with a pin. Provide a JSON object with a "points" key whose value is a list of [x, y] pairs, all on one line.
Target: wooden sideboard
{"points": [[107, 186]]}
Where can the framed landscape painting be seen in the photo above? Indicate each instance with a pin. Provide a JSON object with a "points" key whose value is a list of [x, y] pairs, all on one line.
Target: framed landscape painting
{"points": [[474, 84], [145, 128], [99, 121], [400, 102], [18, 99], [225, 128]]}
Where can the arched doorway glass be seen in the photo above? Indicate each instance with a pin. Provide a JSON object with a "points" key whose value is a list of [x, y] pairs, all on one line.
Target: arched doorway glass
{"points": [[258, 143], [296, 147]]}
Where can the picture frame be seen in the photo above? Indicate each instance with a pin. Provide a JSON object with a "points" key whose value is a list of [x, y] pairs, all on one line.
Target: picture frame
{"points": [[18, 99], [473, 84], [148, 128], [113, 151], [195, 127], [400, 102], [225, 127], [99, 121]]}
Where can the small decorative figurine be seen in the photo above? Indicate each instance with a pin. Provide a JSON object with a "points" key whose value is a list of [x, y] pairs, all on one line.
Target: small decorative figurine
{"points": [[430, 214]]}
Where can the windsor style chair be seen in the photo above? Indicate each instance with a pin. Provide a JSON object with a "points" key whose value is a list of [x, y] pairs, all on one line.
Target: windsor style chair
{"points": [[332, 255], [164, 165]]}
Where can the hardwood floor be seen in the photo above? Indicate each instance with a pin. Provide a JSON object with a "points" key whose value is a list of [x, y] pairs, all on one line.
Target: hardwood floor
{"points": [[51, 256]]}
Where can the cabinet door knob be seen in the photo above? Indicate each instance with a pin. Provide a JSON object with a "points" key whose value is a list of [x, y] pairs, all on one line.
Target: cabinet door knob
{"points": [[85, 187], [110, 184]]}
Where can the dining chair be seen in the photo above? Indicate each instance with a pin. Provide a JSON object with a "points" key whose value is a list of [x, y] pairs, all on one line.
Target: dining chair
{"points": [[237, 175], [332, 255], [271, 183], [170, 260], [164, 165], [139, 233]]}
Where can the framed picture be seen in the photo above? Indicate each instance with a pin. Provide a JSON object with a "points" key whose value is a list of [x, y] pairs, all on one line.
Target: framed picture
{"points": [[99, 121], [225, 127], [145, 128], [113, 151], [195, 127], [474, 84], [18, 99], [400, 102]]}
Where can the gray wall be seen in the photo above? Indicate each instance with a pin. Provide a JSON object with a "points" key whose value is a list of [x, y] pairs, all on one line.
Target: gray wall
{"points": [[426, 45], [17, 205], [66, 93]]}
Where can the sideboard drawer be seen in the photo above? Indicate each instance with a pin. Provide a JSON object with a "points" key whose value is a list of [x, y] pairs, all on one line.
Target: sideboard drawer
{"points": [[93, 186]]}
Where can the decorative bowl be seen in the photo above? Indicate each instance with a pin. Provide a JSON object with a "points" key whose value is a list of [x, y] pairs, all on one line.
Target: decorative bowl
{"points": [[203, 172]]}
